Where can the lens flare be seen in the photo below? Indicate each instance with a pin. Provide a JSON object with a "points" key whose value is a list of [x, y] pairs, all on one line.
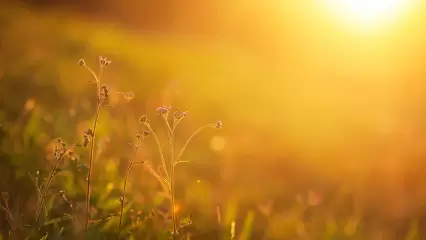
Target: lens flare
{"points": [[368, 12]]}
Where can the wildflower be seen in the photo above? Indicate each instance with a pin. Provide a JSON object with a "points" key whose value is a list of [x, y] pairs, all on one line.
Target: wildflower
{"points": [[176, 114], [179, 116], [163, 109]]}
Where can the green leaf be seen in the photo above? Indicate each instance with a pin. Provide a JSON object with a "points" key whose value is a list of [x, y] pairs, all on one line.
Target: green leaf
{"points": [[44, 237], [58, 220], [46, 209], [57, 170], [248, 225]]}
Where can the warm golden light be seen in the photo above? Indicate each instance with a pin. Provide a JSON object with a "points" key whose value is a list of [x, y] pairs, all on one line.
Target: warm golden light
{"points": [[368, 12]]}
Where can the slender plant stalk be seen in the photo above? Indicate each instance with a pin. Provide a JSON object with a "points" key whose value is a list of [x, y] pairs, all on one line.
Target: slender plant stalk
{"points": [[170, 176], [9, 217], [174, 162], [182, 151], [172, 180], [172, 172], [160, 179], [160, 150], [49, 180], [92, 146], [132, 161]]}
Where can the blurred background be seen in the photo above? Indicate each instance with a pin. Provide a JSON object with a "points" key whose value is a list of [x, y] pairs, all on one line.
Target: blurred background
{"points": [[318, 103]]}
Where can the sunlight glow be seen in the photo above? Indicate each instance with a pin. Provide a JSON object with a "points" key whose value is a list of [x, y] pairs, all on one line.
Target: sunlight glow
{"points": [[368, 12]]}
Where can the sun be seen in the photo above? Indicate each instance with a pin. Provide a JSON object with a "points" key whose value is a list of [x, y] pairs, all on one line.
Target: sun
{"points": [[368, 12]]}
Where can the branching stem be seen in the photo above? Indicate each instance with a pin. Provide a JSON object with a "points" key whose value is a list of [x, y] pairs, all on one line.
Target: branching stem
{"points": [[49, 180]]}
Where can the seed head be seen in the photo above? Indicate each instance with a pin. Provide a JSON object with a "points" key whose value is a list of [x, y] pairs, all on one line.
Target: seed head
{"points": [[129, 95], [218, 124], [81, 62], [89, 132], [86, 141], [143, 119], [104, 91], [103, 62], [146, 133]]}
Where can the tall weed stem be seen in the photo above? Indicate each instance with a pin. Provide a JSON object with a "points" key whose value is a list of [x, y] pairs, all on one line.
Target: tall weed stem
{"points": [[122, 199], [49, 180], [102, 94]]}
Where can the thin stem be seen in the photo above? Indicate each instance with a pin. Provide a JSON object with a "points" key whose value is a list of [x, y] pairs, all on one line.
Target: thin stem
{"points": [[189, 140], [92, 146], [172, 180], [164, 182], [89, 177], [102, 218], [9, 214], [176, 163], [52, 174], [124, 188], [97, 79], [168, 126], [160, 150], [37, 188], [176, 123], [172, 172]]}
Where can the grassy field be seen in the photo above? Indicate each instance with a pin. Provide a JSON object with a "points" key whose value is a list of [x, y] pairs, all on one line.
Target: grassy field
{"points": [[114, 132]]}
